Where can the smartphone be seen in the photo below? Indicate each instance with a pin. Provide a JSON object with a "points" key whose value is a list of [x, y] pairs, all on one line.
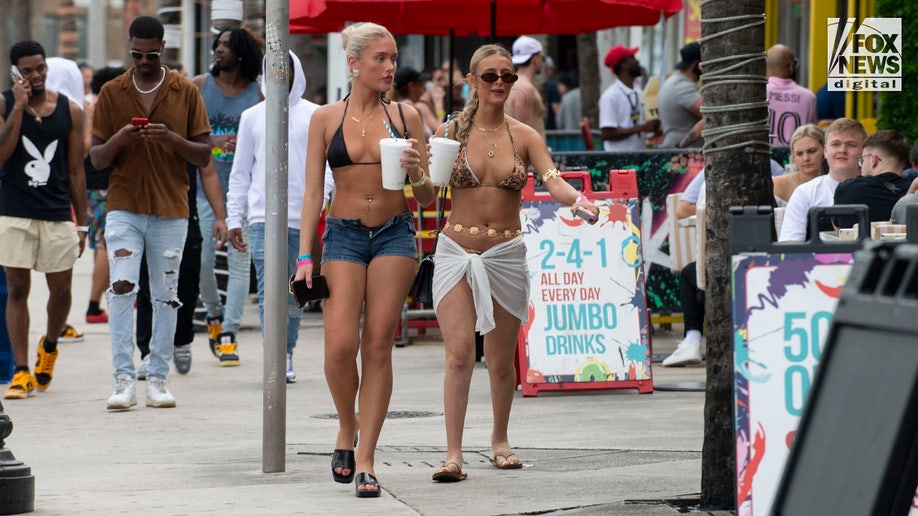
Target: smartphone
{"points": [[586, 215], [15, 74], [304, 294], [139, 121]]}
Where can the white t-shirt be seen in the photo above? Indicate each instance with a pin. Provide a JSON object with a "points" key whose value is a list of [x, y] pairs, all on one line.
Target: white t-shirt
{"points": [[814, 193], [621, 107]]}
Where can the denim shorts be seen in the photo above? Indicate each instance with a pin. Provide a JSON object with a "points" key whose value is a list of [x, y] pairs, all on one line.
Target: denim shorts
{"points": [[350, 241]]}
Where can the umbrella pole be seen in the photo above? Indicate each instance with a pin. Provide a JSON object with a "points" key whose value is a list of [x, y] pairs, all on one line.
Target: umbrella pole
{"points": [[452, 58], [493, 21]]}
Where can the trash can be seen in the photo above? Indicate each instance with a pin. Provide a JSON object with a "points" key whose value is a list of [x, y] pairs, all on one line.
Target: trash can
{"points": [[7, 363]]}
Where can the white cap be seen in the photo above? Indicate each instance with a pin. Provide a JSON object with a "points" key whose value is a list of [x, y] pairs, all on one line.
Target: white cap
{"points": [[524, 48]]}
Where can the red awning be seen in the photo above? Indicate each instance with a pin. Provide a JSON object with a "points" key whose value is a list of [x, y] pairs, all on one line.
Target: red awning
{"points": [[465, 17]]}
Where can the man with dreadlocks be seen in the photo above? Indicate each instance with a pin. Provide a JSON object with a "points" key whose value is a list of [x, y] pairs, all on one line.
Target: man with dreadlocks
{"points": [[228, 89]]}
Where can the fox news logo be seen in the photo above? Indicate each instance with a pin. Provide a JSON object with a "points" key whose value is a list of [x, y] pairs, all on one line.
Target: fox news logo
{"points": [[865, 56]]}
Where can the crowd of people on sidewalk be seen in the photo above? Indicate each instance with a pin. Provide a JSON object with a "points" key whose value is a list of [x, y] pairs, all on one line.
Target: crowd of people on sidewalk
{"points": [[156, 172]]}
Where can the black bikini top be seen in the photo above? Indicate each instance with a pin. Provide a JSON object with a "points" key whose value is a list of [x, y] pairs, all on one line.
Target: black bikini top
{"points": [[337, 154]]}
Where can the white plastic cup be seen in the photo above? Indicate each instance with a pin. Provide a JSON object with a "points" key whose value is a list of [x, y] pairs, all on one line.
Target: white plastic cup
{"points": [[390, 153], [443, 154]]}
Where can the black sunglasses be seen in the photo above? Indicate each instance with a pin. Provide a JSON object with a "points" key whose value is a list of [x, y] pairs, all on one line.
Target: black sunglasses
{"points": [[151, 56], [507, 77]]}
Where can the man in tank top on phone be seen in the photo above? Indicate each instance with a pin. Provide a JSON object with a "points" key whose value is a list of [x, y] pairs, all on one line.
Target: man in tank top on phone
{"points": [[41, 186]]}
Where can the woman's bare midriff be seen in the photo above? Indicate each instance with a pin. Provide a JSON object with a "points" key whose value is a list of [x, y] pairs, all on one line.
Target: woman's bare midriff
{"points": [[357, 197], [491, 218]]}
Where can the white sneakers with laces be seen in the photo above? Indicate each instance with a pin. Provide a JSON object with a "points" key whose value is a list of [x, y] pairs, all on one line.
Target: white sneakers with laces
{"points": [[158, 395], [123, 395], [144, 368], [688, 352]]}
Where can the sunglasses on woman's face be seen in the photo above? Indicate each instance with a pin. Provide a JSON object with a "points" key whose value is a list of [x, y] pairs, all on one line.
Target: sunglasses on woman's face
{"points": [[489, 77]]}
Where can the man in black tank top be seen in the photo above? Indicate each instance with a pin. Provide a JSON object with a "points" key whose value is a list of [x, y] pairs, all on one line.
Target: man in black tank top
{"points": [[41, 186]]}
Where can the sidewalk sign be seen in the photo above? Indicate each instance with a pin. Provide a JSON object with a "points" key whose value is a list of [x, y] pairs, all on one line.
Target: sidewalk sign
{"points": [[784, 297], [588, 321], [856, 447]]}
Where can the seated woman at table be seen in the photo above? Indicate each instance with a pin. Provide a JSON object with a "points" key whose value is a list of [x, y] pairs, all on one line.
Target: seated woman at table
{"points": [[807, 145]]}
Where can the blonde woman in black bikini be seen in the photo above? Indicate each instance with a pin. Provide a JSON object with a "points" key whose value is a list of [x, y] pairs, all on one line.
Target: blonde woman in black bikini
{"points": [[369, 257], [481, 282]]}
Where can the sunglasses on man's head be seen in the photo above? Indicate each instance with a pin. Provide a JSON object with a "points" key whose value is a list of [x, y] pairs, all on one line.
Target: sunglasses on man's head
{"points": [[507, 77], [151, 56]]}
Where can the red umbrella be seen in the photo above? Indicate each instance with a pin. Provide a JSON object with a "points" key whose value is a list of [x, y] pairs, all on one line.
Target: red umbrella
{"points": [[483, 17]]}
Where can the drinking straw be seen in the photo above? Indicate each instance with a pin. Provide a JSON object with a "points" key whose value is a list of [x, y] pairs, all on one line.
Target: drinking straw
{"points": [[391, 132]]}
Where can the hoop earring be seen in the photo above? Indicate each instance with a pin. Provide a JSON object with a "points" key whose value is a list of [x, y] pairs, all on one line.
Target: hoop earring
{"points": [[355, 72]]}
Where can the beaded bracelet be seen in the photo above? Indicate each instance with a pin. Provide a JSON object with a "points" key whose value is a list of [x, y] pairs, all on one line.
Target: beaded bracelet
{"points": [[582, 197]]}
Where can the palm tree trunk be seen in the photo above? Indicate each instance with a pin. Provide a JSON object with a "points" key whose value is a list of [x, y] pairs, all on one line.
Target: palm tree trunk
{"points": [[20, 29], [588, 69], [735, 177], [69, 45], [255, 16], [170, 13]]}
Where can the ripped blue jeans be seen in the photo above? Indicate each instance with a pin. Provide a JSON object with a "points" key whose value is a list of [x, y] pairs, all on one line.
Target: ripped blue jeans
{"points": [[127, 235]]}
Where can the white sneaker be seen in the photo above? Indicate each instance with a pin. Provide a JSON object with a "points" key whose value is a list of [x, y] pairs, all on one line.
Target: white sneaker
{"points": [[158, 395], [685, 354], [291, 376], [123, 395], [144, 368]]}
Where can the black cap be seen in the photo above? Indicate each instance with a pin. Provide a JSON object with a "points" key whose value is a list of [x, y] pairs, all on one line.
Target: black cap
{"points": [[406, 75], [690, 53]]}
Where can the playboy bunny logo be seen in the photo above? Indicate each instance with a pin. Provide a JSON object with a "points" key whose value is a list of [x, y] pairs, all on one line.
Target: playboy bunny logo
{"points": [[39, 168]]}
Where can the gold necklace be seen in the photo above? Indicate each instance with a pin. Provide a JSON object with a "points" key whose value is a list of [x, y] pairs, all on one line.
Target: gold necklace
{"points": [[492, 145], [482, 129], [363, 132], [360, 120], [33, 113]]}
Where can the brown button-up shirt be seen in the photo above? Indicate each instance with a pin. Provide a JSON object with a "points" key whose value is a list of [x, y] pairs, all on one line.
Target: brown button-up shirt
{"points": [[150, 178]]}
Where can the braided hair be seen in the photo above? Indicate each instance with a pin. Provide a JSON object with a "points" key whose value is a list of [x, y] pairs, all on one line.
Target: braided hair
{"points": [[464, 117]]}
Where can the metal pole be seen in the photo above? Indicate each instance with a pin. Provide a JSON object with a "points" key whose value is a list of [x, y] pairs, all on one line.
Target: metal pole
{"points": [[189, 22], [98, 55], [275, 309]]}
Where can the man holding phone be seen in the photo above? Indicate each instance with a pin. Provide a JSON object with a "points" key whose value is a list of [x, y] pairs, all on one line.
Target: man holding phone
{"points": [[147, 202], [41, 185]]}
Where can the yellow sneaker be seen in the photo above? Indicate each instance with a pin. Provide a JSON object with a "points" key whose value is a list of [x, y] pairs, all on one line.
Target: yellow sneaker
{"points": [[22, 387], [214, 329], [44, 365], [226, 350], [70, 334]]}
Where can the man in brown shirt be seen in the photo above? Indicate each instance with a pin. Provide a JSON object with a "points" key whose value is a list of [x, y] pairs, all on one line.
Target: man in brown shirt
{"points": [[149, 123]]}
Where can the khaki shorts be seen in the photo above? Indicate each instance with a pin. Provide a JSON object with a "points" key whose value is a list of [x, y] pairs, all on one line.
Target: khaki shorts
{"points": [[39, 245]]}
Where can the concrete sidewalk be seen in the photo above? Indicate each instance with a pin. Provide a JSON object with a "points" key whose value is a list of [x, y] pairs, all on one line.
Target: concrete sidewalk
{"points": [[587, 452]]}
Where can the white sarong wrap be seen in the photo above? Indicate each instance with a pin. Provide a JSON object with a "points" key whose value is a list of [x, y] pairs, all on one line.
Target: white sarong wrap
{"points": [[500, 272]]}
